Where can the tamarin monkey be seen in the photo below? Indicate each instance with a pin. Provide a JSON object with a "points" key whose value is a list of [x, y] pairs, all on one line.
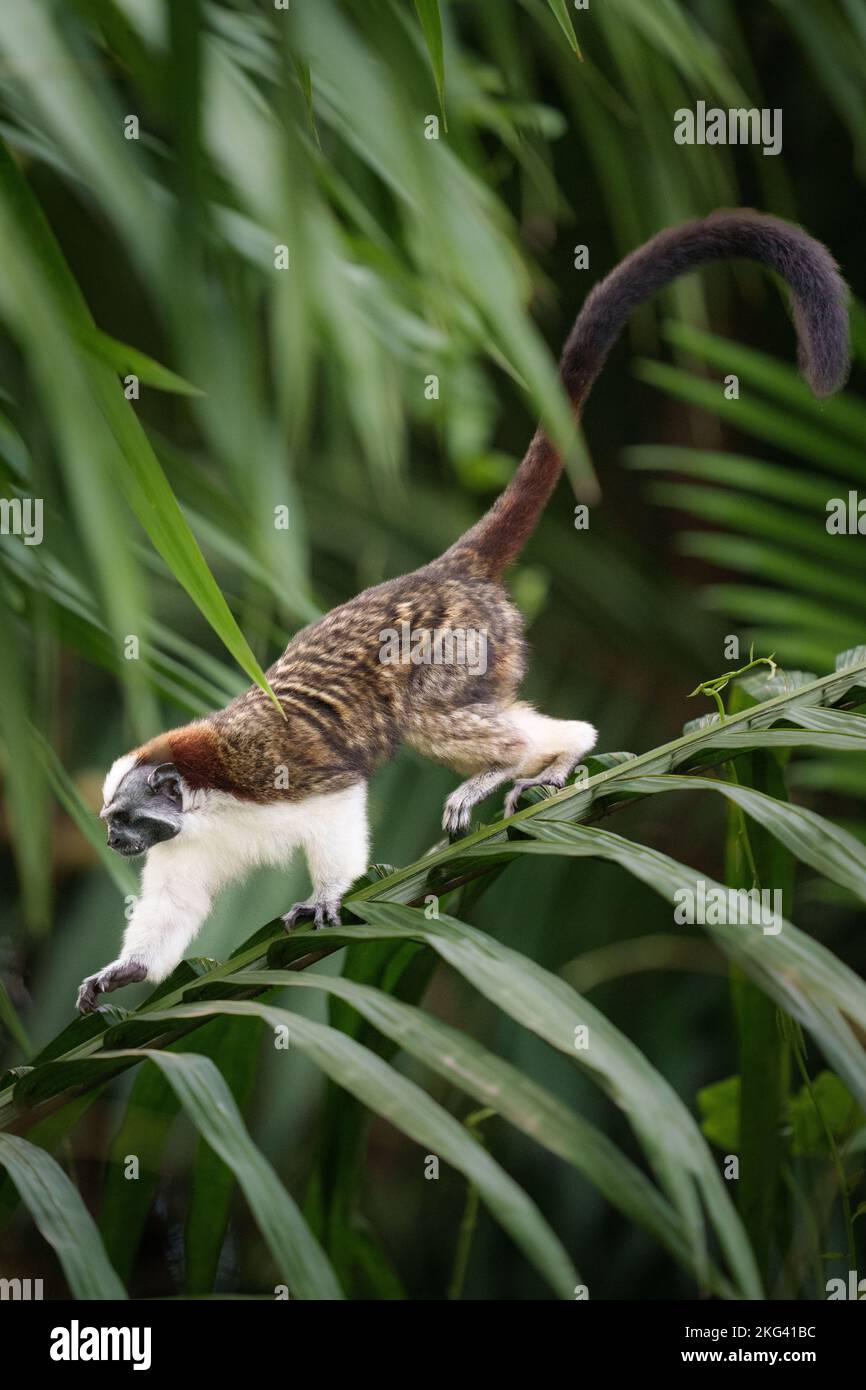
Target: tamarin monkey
{"points": [[247, 786]]}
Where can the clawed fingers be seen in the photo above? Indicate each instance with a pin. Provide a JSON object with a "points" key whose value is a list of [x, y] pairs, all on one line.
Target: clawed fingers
{"points": [[120, 973], [512, 800], [88, 994], [301, 912], [323, 914], [455, 819], [326, 914], [552, 784]]}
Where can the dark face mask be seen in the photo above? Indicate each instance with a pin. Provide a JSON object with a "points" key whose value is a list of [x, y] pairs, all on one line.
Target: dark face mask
{"points": [[146, 810]]}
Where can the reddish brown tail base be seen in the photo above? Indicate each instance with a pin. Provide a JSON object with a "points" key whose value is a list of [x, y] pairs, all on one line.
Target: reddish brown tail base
{"points": [[818, 297]]}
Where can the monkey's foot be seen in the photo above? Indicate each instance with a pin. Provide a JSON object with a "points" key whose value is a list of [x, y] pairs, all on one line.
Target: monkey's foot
{"points": [[456, 812], [324, 914], [119, 973], [556, 783]]}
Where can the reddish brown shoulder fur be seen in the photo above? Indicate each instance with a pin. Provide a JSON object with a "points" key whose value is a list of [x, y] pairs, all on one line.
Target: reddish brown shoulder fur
{"points": [[196, 751]]}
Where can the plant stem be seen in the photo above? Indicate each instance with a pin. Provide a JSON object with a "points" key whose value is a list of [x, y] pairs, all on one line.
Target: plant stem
{"points": [[470, 1213]]}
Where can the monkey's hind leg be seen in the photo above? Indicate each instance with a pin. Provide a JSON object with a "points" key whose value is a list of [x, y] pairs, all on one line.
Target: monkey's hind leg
{"points": [[484, 740], [496, 743], [458, 806], [335, 841], [555, 748]]}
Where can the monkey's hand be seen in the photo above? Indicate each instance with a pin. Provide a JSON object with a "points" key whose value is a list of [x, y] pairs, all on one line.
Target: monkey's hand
{"points": [[323, 914], [119, 972]]}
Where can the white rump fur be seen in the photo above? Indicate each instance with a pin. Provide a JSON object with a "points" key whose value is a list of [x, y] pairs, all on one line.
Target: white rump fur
{"points": [[220, 840], [547, 740]]}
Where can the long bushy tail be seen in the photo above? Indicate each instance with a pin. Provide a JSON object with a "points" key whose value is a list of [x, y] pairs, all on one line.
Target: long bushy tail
{"points": [[818, 297]]}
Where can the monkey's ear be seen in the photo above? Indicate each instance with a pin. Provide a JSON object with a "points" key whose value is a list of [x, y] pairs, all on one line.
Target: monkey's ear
{"points": [[166, 779]]}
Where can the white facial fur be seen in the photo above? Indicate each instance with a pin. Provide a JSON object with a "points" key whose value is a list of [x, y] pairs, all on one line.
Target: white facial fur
{"points": [[115, 776]]}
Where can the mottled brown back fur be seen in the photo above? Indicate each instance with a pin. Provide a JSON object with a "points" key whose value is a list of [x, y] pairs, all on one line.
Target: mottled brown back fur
{"points": [[346, 710]]}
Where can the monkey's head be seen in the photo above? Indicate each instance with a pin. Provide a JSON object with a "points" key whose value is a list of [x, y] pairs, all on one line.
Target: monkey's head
{"points": [[143, 806]]}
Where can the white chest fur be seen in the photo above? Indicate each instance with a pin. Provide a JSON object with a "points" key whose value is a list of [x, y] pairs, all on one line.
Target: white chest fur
{"points": [[222, 839]]}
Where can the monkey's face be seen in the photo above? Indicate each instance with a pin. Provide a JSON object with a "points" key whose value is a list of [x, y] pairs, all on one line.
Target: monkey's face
{"points": [[146, 809]]}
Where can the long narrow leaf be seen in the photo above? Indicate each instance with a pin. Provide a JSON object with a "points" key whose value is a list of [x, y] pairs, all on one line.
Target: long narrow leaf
{"points": [[828, 848], [61, 1218], [408, 1107], [210, 1105], [801, 974], [494, 1082], [549, 1007], [431, 23], [145, 484]]}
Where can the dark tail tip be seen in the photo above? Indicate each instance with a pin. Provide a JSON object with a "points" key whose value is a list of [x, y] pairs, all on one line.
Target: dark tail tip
{"points": [[819, 295], [824, 350]]}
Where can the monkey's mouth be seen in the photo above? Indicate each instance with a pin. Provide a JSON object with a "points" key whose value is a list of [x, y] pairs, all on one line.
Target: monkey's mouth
{"points": [[128, 851]]}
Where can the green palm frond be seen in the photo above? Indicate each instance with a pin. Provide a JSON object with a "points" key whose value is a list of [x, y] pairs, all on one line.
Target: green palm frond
{"points": [[803, 978]]}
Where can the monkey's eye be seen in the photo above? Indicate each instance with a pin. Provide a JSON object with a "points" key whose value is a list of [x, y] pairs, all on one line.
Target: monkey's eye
{"points": [[120, 818]]}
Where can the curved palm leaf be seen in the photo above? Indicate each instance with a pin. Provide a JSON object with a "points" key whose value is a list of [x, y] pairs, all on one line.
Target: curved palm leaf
{"points": [[61, 1217], [403, 1103]]}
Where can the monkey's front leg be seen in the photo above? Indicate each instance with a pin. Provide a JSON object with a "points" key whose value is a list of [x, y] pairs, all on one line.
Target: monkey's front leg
{"points": [[176, 894], [335, 842]]}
